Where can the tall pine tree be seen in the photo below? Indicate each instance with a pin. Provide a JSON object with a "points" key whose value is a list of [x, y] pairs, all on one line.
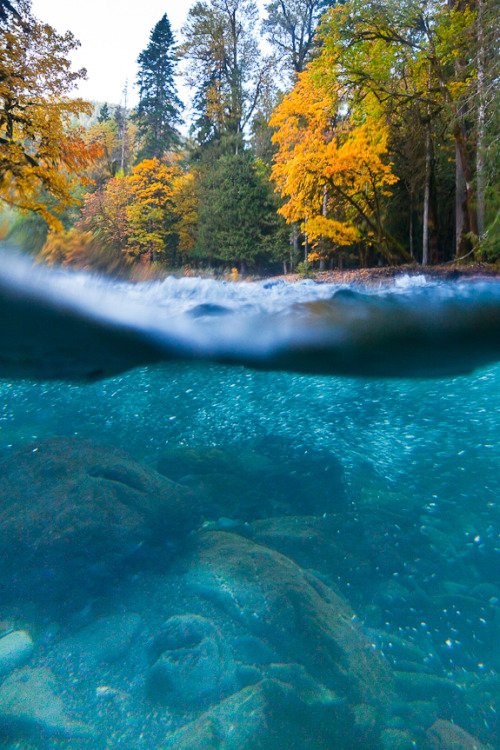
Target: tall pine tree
{"points": [[158, 111]]}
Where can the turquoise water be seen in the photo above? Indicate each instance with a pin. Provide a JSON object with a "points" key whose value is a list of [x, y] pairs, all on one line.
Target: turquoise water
{"points": [[205, 556]]}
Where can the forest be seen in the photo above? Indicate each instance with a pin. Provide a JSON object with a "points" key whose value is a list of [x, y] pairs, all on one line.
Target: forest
{"points": [[360, 133]]}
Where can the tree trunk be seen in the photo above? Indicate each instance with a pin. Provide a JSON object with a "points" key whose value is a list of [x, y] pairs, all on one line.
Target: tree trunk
{"points": [[481, 118], [410, 228], [461, 222], [123, 134], [294, 247], [427, 193], [434, 254]]}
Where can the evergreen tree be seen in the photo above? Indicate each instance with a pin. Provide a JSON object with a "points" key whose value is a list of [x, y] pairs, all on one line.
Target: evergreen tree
{"points": [[104, 114], [233, 207], [158, 112]]}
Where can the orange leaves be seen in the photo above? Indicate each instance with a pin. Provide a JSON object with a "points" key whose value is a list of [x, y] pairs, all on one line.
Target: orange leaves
{"points": [[330, 167], [40, 152], [136, 215]]}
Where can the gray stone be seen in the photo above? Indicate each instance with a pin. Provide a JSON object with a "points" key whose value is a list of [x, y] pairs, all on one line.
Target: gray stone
{"points": [[104, 641], [415, 686], [15, 650], [30, 705], [238, 723], [193, 668]]}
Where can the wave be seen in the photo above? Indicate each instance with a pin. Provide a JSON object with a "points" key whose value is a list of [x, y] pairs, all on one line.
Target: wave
{"points": [[74, 326]]}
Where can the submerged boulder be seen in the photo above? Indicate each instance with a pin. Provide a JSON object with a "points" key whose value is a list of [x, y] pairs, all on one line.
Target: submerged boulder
{"points": [[104, 641], [72, 512], [246, 483], [30, 705], [191, 664], [15, 650], [443, 735], [266, 595]]}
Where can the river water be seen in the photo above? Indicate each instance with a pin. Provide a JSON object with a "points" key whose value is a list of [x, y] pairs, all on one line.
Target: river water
{"points": [[248, 516]]}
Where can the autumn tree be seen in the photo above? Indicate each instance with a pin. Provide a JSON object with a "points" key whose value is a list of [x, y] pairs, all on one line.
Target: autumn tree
{"points": [[105, 135], [104, 215], [419, 57], [41, 149], [158, 111], [150, 213], [75, 248], [332, 164], [185, 210]]}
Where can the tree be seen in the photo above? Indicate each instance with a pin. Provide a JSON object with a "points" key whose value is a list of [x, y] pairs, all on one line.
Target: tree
{"points": [[104, 114], [105, 135], [78, 249], [150, 213], [422, 56], [331, 165], [104, 214], [290, 26], [41, 150], [185, 207], [158, 111], [232, 208], [8, 9], [225, 67]]}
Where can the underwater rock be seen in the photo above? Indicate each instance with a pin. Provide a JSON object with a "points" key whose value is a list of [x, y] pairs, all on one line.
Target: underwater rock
{"points": [[72, 513], [243, 483], [178, 462], [192, 666], [230, 482], [270, 597], [15, 650], [415, 686], [397, 739], [310, 541], [30, 705], [286, 709], [237, 723], [443, 735], [418, 714], [104, 641]]}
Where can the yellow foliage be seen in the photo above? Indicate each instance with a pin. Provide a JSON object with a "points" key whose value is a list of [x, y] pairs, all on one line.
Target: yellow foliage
{"points": [[41, 149], [150, 213], [186, 210], [331, 167]]}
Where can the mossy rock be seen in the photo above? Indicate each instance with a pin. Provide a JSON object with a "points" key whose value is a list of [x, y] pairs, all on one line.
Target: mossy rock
{"points": [[272, 598], [73, 512]]}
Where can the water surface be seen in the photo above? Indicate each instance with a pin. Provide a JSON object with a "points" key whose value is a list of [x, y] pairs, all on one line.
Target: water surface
{"points": [[201, 555]]}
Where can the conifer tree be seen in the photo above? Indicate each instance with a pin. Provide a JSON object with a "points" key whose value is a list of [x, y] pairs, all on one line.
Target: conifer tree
{"points": [[104, 114], [158, 111]]}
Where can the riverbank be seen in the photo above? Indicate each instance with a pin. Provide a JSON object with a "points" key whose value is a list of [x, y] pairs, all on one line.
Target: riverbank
{"points": [[377, 276]]}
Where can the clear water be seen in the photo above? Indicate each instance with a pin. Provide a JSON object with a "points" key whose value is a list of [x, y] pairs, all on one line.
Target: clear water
{"points": [[332, 582]]}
